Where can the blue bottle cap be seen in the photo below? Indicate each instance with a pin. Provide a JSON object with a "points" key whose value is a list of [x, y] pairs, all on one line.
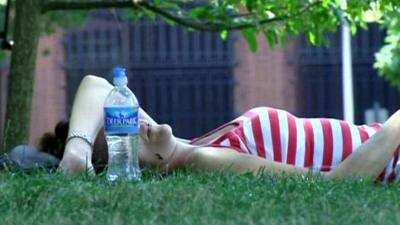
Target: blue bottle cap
{"points": [[119, 75], [119, 72]]}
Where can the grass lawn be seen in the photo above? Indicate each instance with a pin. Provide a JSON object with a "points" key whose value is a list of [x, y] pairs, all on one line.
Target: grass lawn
{"points": [[187, 198]]}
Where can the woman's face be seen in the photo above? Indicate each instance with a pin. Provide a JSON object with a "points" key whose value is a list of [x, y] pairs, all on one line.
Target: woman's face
{"points": [[156, 144]]}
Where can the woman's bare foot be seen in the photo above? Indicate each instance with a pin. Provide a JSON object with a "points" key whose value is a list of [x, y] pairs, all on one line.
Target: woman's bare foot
{"points": [[77, 158]]}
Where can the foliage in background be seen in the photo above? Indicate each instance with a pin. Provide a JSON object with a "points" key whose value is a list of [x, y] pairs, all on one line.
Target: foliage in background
{"points": [[278, 21], [388, 57], [64, 20]]}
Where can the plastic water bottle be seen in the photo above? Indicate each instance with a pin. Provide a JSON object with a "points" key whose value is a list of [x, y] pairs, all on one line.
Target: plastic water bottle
{"points": [[121, 126]]}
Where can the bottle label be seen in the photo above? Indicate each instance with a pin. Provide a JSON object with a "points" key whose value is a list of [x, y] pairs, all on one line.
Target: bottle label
{"points": [[121, 120]]}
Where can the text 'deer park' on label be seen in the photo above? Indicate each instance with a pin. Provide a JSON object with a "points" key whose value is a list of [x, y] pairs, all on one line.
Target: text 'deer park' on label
{"points": [[121, 120]]}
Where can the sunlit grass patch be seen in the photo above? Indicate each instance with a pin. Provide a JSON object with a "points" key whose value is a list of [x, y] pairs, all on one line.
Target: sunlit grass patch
{"points": [[188, 198]]}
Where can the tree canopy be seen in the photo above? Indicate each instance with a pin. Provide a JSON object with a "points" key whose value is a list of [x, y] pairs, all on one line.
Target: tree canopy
{"points": [[388, 57], [277, 20]]}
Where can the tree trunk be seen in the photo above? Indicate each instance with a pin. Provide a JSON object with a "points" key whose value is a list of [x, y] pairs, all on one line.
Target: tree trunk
{"points": [[21, 80]]}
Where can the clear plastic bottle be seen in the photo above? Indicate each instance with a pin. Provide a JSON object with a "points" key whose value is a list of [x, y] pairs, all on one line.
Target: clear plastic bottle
{"points": [[121, 126]]}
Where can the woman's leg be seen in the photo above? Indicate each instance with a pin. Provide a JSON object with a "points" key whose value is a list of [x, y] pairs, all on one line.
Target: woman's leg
{"points": [[370, 158], [87, 117]]}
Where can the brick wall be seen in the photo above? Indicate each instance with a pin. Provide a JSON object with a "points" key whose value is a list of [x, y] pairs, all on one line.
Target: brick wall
{"points": [[264, 78], [48, 103], [48, 106]]}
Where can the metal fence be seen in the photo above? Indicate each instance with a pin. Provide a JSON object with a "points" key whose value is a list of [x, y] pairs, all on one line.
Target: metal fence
{"points": [[181, 78], [320, 82]]}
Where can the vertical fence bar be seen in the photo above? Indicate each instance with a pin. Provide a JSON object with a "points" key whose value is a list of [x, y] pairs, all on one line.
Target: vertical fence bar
{"points": [[97, 50], [218, 51], [197, 104], [143, 42], [124, 46], [197, 51], [174, 104], [165, 93], [185, 99], [185, 46], [80, 49], [209, 81], [174, 44], [103, 47], [150, 90], [90, 42], [148, 40], [207, 50], [161, 41], [180, 47], [136, 50], [219, 95]]}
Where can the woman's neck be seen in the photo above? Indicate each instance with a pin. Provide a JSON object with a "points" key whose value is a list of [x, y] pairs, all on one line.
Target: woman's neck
{"points": [[178, 158]]}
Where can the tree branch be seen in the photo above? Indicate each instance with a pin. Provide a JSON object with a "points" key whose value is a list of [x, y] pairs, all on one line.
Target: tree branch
{"points": [[182, 20], [215, 26], [85, 5]]}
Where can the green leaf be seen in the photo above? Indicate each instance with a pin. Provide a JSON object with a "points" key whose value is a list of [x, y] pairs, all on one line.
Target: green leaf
{"points": [[131, 14], [251, 39], [353, 28], [272, 38], [152, 15], [387, 59], [168, 5], [312, 37], [223, 34], [199, 12]]}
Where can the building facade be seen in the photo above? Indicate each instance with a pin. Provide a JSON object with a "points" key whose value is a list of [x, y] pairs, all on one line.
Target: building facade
{"points": [[195, 81]]}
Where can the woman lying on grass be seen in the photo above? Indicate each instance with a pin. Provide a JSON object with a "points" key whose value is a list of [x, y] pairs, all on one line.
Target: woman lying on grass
{"points": [[261, 139]]}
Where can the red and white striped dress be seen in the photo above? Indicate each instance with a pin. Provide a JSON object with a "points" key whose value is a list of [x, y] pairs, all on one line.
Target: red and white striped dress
{"points": [[320, 144]]}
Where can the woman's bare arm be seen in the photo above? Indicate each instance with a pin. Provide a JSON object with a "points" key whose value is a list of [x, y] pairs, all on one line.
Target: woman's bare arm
{"points": [[87, 117], [208, 159]]}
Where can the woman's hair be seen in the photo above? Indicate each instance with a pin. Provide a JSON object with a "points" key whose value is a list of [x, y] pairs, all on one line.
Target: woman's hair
{"points": [[54, 143]]}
